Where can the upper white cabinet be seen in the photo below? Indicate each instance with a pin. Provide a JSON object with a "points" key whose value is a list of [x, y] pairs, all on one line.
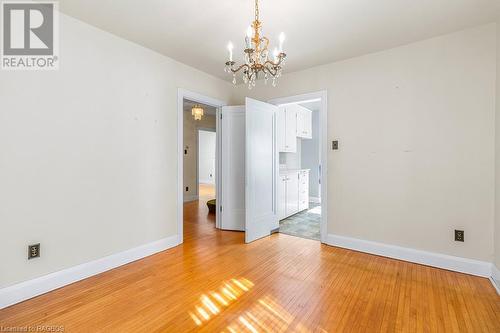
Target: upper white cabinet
{"points": [[287, 129], [304, 122], [294, 121]]}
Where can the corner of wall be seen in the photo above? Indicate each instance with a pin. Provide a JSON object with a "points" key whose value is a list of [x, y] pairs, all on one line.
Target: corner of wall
{"points": [[497, 156]]}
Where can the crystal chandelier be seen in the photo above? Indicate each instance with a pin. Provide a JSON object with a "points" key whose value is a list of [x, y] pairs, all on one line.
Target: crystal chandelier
{"points": [[197, 112], [258, 62]]}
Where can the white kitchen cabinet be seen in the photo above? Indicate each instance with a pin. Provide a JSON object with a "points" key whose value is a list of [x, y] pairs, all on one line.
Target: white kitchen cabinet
{"points": [[304, 122], [303, 190], [281, 200], [287, 129], [291, 130], [293, 192]]}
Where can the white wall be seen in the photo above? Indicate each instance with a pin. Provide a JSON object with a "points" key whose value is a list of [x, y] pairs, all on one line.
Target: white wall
{"points": [[310, 158], [206, 152], [416, 131], [88, 154], [497, 162]]}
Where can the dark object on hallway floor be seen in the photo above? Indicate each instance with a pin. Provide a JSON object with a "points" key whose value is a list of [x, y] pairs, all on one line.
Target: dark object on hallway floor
{"points": [[211, 206]]}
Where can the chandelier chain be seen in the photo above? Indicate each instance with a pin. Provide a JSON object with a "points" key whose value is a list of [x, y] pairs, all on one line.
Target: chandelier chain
{"points": [[256, 10]]}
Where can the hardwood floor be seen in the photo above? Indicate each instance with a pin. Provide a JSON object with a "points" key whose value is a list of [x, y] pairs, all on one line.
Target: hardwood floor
{"points": [[215, 283]]}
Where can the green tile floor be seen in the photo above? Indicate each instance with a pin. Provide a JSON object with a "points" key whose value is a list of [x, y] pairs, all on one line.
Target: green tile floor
{"points": [[304, 224]]}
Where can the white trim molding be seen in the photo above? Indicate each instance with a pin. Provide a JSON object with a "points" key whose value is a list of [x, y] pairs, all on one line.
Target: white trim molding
{"points": [[190, 198], [452, 263], [41, 285], [495, 278]]}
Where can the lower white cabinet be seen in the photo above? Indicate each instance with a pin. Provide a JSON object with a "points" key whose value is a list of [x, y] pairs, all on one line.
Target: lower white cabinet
{"points": [[282, 197], [303, 190], [293, 193]]}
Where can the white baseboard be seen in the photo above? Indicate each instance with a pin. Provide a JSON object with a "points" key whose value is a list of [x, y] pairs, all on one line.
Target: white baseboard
{"points": [[190, 198], [495, 278], [314, 199], [457, 264], [31, 288]]}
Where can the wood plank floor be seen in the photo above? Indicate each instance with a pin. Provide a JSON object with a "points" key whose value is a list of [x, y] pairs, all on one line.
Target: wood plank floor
{"points": [[215, 283]]}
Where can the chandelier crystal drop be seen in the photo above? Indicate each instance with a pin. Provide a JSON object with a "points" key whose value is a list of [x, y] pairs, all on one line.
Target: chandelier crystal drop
{"points": [[197, 112], [259, 63]]}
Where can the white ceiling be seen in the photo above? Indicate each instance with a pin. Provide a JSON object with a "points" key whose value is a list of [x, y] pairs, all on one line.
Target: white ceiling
{"points": [[196, 32]]}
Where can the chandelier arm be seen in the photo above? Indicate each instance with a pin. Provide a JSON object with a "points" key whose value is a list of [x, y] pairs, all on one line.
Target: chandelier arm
{"points": [[270, 70], [274, 64], [239, 68]]}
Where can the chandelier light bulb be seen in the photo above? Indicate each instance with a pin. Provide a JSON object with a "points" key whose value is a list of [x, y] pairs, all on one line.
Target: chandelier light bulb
{"points": [[249, 31], [275, 54], [282, 39], [230, 49], [248, 38]]}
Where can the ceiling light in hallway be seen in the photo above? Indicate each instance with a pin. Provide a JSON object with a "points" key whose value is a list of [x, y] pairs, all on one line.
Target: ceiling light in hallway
{"points": [[197, 112]]}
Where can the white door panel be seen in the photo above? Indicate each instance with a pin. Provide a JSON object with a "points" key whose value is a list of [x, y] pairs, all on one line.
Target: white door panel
{"points": [[232, 198], [261, 172]]}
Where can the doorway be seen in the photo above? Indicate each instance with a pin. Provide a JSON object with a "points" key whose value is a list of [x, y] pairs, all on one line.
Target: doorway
{"points": [[256, 193], [303, 165], [197, 159]]}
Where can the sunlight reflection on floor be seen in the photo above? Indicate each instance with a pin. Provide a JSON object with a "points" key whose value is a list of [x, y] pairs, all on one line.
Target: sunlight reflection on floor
{"points": [[211, 304], [315, 210], [266, 315]]}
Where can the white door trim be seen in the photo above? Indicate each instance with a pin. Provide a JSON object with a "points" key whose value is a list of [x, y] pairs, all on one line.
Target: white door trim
{"points": [[199, 98], [311, 97]]}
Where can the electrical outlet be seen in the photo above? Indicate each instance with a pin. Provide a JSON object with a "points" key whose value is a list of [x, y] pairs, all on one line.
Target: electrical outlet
{"points": [[459, 236], [335, 145], [33, 251]]}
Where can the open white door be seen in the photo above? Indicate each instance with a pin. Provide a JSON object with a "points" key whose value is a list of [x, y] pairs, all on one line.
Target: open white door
{"points": [[231, 200], [261, 171]]}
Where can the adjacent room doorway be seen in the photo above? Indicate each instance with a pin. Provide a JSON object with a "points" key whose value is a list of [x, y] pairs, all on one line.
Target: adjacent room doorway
{"points": [[303, 165], [197, 160]]}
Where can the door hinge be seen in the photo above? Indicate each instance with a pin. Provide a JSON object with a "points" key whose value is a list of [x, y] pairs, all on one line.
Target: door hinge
{"points": [[221, 208], [221, 116]]}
